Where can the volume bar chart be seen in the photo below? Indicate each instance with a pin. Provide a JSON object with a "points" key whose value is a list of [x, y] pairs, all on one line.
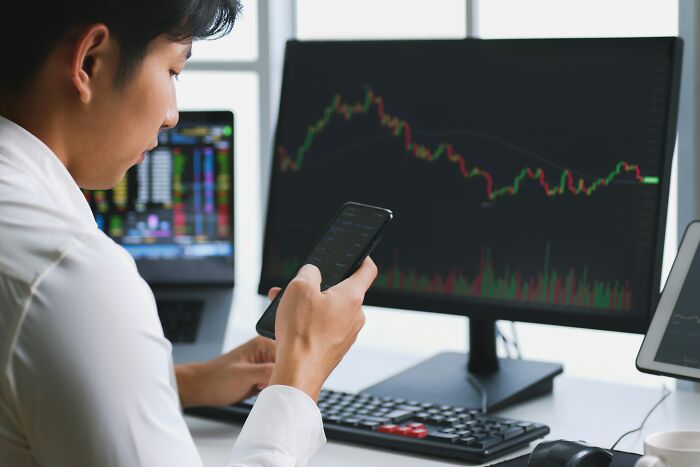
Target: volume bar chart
{"points": [[570, 288]]}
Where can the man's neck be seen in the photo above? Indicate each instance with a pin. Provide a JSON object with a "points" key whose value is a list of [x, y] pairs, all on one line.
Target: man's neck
{"points": [[25, 110]]}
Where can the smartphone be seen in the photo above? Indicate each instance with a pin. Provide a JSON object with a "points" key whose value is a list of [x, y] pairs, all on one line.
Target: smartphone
{"points": [[344, 244]]}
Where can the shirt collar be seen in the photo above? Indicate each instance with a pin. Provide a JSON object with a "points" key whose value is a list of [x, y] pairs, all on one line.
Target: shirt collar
{"points": [[27, 151]]}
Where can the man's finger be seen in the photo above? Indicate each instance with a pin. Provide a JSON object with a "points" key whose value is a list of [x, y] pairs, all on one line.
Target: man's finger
{"points": [[310, 273], [260, 373], [362, 278], [272, 293]]}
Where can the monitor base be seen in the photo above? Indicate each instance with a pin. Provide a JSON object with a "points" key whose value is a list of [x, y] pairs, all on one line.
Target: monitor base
{"points": [[443, 379]]}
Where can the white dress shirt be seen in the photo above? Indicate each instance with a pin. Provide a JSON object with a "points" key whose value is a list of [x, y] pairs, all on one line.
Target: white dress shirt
{"points": [[87, 377]]}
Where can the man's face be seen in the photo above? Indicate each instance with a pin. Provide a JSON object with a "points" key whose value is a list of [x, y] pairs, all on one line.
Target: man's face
{"points": [[123, 120]]}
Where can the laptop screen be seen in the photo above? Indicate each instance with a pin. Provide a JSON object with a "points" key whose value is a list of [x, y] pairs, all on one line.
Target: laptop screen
{"points": [[173, 212]]}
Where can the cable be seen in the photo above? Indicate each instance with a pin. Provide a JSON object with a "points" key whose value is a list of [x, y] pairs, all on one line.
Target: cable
{"points": [[506, 341], [665, 393], [480, 389], [510, 343], [516, 340]]}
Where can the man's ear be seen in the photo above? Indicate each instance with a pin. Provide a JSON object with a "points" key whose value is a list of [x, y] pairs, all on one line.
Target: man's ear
{"points": [[89, 58]]}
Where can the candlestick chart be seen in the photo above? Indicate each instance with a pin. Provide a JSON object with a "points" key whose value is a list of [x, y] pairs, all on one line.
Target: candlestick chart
{"points": [[535, 185]]}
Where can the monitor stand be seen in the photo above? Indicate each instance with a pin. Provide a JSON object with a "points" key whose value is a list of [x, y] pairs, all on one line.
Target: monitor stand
{"points": [[443, 378]]}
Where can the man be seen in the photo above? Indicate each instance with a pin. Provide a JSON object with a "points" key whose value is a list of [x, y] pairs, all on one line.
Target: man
{"points": [[87, 376]]}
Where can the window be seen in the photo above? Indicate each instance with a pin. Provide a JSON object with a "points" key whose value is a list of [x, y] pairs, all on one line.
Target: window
{"points": [[576, 18], [240, 45], [380, 19]]}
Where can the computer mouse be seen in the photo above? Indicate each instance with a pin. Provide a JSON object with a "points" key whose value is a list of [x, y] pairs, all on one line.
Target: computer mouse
{"points": [[563, 453]]}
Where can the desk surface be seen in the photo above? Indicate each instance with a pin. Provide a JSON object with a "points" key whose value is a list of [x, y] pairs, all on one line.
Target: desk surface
{"points": [[593, 411]]}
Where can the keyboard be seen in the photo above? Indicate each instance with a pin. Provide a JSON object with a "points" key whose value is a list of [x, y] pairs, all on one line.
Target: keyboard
{"points": [[180, 319], [412, 426]]}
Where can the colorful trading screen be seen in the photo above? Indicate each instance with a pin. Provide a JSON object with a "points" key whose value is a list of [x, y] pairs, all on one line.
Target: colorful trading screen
{"points": [[524, 174], [177, 205]]}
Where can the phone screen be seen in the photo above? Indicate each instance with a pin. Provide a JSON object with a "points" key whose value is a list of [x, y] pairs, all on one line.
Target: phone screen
{"points": [[341, 249]]}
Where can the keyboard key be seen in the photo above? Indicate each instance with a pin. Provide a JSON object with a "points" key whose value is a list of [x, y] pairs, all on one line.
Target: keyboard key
{"points": [[369, 418], [437, 436], [412, 408], [418, 433], [398, 416], [391, 428], [511, 432], [422, 416], [369, 425], [466, 440], [485, 443], [527, 426]]}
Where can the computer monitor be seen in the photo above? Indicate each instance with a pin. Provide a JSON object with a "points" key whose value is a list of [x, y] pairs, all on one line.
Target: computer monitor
{"points": [[174, 214], [174, 211], [529, 179]]}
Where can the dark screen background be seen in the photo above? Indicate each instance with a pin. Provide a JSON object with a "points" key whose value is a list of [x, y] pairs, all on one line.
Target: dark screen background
{"points": [[468, 143], [337, 251]]}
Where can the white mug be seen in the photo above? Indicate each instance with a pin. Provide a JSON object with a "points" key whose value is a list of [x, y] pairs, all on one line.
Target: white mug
{"points": [[671, 449]]}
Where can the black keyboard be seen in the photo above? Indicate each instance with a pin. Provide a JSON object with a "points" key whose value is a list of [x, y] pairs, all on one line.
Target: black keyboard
{"points": [[419, 427], [180, 319]]}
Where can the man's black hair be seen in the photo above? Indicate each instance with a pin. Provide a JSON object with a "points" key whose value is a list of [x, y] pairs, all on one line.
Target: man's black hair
{"points": [[30, 29]]}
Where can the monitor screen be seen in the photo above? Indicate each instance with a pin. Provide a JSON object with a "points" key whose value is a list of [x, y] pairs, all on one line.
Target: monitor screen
{"points": [[529, 178], [173, 212]]}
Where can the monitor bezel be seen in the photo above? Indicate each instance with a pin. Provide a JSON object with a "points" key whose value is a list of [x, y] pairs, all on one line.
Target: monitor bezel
{"points": [[205, 117], [513, 312]]}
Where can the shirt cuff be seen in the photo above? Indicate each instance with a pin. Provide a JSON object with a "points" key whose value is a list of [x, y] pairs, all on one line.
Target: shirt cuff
{"points": [[285, 422]]}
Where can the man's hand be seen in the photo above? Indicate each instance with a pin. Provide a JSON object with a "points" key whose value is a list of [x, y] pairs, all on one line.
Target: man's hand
{"points": [[227, 379], [315, 329]]}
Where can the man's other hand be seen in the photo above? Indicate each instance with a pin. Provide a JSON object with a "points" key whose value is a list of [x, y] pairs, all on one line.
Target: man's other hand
{"points": [[230, 378]]}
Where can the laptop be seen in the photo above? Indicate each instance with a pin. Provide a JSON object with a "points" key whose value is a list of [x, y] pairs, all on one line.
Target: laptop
{"points": [[174, 214]]}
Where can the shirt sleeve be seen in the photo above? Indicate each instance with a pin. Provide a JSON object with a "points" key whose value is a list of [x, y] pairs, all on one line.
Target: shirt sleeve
{"points": [[284, 429], [94, 383], [91, 371]]}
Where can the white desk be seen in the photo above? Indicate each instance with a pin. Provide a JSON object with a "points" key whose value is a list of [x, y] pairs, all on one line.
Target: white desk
{"points": [[597, 412]]}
